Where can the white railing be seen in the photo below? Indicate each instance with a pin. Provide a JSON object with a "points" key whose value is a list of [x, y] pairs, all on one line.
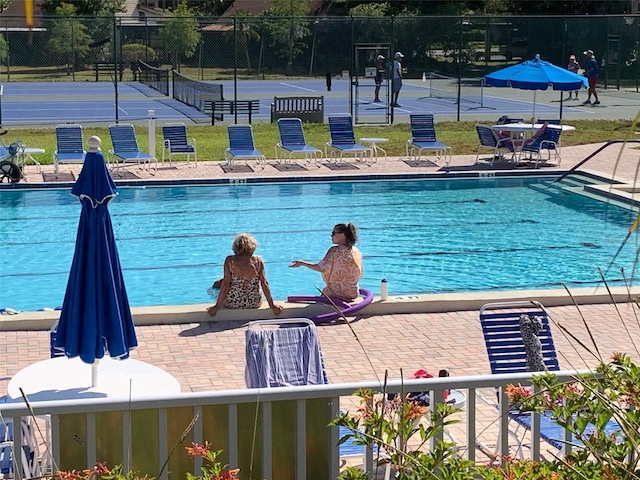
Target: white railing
{"points": [[269, 423]]}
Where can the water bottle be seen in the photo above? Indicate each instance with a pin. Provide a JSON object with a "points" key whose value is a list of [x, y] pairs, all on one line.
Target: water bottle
{"points": [[383, 289]]}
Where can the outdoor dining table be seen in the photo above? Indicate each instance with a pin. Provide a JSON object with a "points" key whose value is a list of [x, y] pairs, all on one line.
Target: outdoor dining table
{"points": [[528, 128], [62, 378]]}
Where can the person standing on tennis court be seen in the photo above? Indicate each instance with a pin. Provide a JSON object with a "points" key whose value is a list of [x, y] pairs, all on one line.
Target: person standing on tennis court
{"points": [[591, 72], [573, 66], [396, 84], [379, 77]]}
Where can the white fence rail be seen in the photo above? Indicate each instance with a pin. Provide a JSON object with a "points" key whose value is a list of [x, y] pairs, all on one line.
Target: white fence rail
{"points": [[273, 419]]}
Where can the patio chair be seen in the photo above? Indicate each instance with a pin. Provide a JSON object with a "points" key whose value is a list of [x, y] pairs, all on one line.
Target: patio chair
{"points": [[343, 141], [423, 138], [292, 141], [241, 145], [283, 353], [175, 142], [544, 139], [70, 147], [488, 139], [125, 148], [30, 461]]}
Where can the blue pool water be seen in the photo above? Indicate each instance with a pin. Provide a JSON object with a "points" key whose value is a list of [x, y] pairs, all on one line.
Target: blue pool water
{"points": [[423, 236]]}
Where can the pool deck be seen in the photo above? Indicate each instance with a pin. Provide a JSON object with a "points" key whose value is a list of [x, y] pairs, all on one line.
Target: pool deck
{"points": [[209, 354]]}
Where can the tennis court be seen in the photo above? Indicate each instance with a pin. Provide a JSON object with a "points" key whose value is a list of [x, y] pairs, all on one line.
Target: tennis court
{"points": [[50, 103]]}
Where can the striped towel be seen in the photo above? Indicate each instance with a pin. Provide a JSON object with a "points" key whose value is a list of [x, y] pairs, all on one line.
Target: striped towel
{"points": [[284, 356]]}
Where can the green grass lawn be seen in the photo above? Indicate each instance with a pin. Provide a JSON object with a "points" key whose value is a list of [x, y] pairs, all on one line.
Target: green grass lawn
{"points": [[211, 141]]}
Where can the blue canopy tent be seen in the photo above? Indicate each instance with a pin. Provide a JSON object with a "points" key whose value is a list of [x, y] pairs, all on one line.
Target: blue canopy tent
{"points": [[96, 318], [536, 75]]}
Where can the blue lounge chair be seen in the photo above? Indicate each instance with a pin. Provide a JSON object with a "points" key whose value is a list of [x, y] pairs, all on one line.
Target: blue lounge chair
{"points": [[292, 141], [29, 453], [241, 145], [70, 147], [343, 141], [506, 350], [125, 148], [175, 142], [423, 138]]}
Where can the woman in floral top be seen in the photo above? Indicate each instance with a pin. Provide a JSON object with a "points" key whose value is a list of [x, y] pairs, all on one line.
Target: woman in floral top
{"points": [[341, 267]]}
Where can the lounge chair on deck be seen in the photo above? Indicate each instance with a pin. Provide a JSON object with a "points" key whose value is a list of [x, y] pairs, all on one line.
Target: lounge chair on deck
{"points": [[507, 353], [125, 148], [423, 138], [241, 145], [70, 147], [292, 141], [343, 141]]}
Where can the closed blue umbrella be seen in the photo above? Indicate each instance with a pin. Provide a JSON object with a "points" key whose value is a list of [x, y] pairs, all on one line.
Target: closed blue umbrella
{"points": [[96, 318], [535, 75]]}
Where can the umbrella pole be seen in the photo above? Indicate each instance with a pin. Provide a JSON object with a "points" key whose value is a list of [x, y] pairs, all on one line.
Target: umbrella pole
{"points": [[94, 373], [561, 92], [533, 118]]}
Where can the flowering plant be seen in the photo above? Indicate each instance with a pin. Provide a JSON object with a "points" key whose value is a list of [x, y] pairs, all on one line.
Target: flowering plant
{"points": [[213, 470]]}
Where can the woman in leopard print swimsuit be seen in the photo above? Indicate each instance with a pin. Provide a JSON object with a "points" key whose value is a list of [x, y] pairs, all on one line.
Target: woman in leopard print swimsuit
{"points": [[341, 267], [243, 276]]}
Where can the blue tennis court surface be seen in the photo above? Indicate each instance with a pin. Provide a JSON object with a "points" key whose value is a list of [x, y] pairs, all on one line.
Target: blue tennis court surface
{"points": [[50, 103]]}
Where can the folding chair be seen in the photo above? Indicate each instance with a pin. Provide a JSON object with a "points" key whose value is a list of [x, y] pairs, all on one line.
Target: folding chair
{"points": [[241, 145], [125, 148], [70, 147], [423, 138], [292, 141], [175, 142], [343, 141]]}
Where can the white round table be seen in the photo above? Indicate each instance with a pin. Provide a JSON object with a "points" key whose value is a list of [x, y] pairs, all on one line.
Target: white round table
{"points": [[62, 378], [529, 127], [26, 156], [373, 142]]}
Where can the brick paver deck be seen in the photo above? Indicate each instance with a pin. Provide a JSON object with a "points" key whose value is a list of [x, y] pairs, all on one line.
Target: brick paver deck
{"points": [[210, 355]]}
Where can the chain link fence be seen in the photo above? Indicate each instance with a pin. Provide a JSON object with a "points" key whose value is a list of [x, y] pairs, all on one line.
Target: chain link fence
{"points": [[244, 51]]}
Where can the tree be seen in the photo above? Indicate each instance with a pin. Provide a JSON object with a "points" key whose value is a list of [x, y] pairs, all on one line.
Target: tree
{"points": [[291, 31], [209, 8], [84, 7], [245, 34], [180, 34], [69, 37]]}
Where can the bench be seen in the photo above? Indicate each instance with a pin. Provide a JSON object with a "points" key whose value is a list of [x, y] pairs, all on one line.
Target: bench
{"points": [[307, 109], [108, 68], [218, 108]]}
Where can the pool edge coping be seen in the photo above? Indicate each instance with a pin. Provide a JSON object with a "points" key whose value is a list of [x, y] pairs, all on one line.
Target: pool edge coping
{"points": [[395, 304]]}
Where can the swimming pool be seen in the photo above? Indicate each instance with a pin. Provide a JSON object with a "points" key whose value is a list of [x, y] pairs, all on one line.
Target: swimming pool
{"points": [[423, 236]]}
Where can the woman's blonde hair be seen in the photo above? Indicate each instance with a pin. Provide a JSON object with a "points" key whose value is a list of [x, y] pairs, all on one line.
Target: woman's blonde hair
{"points": [[244, 244]]}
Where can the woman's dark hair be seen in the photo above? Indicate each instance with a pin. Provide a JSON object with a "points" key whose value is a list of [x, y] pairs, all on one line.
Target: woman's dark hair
{"points": [[350, 232]]}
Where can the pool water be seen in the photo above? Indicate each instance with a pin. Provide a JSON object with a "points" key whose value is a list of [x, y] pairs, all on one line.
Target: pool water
{"points": [[423, 236]]}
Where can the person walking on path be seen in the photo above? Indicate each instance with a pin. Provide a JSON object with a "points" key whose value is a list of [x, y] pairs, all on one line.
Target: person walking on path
{"points": [[573, 66], [396, 85], [591, 72], [379, 77]]}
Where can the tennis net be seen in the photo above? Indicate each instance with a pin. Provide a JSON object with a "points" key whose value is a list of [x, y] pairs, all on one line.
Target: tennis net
{"points": [[154, 77], [194, 92], [446, 88]]}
